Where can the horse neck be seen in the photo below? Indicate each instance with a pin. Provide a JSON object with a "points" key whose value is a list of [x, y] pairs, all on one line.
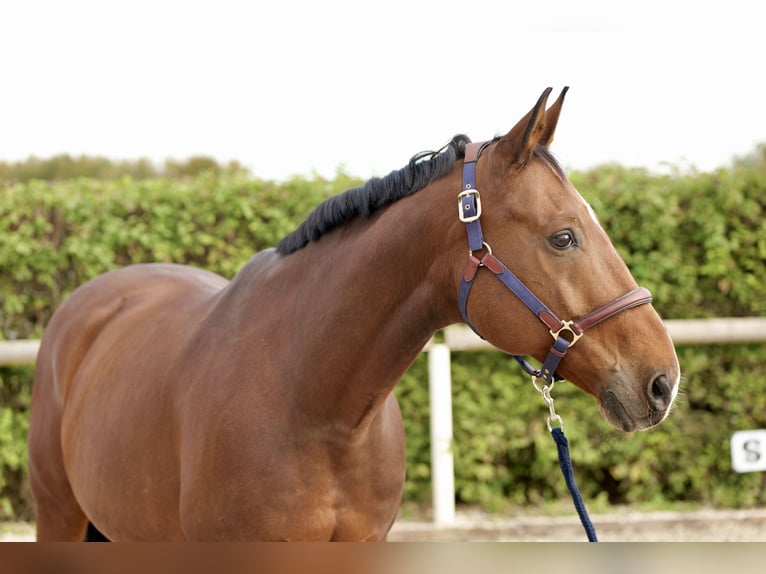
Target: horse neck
{"points": [[370, 296]]}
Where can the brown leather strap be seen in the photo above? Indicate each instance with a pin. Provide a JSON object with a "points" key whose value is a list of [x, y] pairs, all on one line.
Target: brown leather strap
{"points": [[472, 150], [634, 298], [551, 321], [471, 267]]}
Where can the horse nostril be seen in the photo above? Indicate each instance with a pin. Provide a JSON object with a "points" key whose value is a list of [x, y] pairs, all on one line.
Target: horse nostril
{"points": [[659, 392]]}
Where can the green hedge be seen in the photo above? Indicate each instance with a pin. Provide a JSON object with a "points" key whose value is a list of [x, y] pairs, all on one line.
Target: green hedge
{"points": [[698, 241]]}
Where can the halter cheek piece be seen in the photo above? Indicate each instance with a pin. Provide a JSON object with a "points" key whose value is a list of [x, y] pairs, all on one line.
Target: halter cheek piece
{"points": [[565, 333]]}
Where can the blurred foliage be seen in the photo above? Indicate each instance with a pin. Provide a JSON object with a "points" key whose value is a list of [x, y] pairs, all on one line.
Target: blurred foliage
{"points": [[64, 166], [697, 240]]}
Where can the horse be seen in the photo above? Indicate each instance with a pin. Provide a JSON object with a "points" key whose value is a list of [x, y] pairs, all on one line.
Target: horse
{"points": [[171, 404]]}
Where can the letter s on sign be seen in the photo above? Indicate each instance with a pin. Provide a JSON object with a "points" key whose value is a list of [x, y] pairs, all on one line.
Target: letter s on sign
{"points": [[748, 451], [752, 450]]}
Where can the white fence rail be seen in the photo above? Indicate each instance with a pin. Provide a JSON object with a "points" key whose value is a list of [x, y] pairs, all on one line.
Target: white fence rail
{"points": [[18, 352], [461, 338], [682, 331]]}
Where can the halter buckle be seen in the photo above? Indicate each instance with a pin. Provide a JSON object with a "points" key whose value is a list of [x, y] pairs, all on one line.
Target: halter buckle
{"points": [[568, 327], [466, 207]]}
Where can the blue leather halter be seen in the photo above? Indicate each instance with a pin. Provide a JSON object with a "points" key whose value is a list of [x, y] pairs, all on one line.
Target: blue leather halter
{"points": [[565, 333]]}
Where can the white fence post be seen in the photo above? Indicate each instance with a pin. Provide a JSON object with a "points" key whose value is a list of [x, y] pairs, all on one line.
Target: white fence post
{"points": [[442, 463]]}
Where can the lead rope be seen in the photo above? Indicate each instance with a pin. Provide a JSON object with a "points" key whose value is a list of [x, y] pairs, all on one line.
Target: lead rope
{"points": [[556, 427]]}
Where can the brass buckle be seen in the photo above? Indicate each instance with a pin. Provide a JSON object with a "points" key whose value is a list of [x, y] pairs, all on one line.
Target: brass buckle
{"points": [[566, 326], [461, 208]]}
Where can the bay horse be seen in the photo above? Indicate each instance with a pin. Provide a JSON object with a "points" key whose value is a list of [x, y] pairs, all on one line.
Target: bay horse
{"points": [[171, 404]]}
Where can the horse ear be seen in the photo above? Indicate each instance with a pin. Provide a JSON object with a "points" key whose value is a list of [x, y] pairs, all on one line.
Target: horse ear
{"points": [[517, 144], [552, 118]]}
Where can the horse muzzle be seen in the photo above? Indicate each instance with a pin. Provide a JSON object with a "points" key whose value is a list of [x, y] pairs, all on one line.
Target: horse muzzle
{"points": [[629, 410]]}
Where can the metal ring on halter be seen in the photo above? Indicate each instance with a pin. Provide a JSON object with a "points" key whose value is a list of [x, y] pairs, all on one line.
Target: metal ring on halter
{"points": [[545, 389], [568, 327], [486, 246]]}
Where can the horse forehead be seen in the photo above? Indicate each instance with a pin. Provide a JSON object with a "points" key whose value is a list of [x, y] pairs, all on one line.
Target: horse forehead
{"points": [[588, 207], [569, 188], [545, 177]]}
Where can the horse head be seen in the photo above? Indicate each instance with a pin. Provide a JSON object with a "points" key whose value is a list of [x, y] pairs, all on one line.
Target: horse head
{"points": [[536, 227]]}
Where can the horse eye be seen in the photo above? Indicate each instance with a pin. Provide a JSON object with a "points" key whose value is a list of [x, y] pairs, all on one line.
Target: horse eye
{"points": [[563, 240]]}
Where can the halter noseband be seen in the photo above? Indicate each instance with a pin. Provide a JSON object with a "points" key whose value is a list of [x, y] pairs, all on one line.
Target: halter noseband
{"points": [[564, 333]]}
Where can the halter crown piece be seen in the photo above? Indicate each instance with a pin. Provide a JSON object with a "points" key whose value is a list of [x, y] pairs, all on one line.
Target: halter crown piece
{"points": [[565, 333]]}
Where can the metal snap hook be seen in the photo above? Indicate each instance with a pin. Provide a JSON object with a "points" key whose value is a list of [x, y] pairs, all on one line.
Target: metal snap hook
{"points": [[553, 419]]}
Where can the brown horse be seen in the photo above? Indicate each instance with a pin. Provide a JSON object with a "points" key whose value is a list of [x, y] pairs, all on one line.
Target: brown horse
{"points": [[171, 404]]}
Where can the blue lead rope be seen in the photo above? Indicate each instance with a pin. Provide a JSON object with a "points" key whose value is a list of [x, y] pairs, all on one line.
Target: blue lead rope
{"points": [[565, 462]]}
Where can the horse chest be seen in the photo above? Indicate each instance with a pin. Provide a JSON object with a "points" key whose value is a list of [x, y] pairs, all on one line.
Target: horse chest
{"points": [[343, 496], [301, 488]]}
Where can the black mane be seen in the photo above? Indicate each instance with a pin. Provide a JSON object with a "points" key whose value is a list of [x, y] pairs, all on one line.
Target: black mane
{"points": [[362, 201]]}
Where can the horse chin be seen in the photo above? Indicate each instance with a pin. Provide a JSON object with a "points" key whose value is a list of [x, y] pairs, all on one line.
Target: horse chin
{"points": [[616, 414]]}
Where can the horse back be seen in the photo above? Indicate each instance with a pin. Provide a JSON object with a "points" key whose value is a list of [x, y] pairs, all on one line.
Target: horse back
{"points": [[119, 299]]}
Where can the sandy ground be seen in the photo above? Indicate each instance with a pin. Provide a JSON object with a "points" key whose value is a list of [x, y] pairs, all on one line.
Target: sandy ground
{"points": [[623, 526]]}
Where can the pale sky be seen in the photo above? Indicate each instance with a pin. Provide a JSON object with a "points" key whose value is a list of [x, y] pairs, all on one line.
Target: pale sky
{"points": [[298, 86]]}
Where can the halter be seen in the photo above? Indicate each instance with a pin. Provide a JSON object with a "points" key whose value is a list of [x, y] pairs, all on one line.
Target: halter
{"points": [[565, 333]]}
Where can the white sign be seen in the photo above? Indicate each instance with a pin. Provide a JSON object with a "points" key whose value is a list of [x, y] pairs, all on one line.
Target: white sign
{"points": [[748, 450]]}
